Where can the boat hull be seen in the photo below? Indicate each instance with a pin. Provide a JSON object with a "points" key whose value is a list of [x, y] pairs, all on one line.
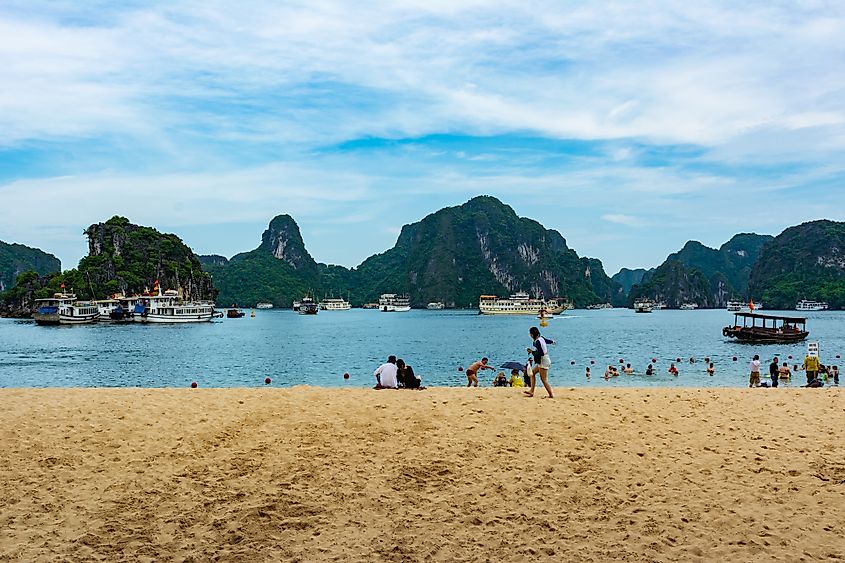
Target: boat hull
{"points": [[155, 318], [46, 318], [80, 320], [763, 336], [394, 309]]}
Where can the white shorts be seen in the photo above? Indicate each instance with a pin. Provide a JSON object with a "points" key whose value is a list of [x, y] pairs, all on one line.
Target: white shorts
{"points": [[545, 362]]}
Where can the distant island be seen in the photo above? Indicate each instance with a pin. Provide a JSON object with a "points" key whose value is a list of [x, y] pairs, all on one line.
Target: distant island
{"points": [[451, 256]]}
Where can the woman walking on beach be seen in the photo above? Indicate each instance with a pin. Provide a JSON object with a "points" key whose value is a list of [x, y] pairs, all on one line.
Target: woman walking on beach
{"points": [[542, 362]]}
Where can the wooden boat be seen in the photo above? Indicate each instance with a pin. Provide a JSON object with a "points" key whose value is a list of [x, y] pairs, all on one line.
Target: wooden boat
{"points": [[767, 329], [234, 313]]}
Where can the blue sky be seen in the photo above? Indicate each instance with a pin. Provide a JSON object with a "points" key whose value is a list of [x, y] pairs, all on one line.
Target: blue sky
{"points": [[629, 127]]}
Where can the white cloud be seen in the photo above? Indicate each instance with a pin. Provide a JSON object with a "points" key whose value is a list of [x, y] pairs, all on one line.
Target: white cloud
{"points": [[621, 219]]}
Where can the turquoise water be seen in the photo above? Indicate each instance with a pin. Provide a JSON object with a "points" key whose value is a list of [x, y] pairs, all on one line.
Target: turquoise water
{"points": [[293, 349]]}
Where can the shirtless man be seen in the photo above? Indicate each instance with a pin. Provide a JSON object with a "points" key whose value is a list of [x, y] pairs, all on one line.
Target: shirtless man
{"points": [[472, 371]]}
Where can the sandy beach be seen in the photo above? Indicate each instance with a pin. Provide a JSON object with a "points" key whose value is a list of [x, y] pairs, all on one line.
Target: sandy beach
{"points": [[441, 475]]}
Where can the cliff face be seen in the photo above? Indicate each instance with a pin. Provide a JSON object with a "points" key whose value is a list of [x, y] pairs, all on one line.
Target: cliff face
{"points": [[627, 278], [15, 259], [127, 258], [701, 275], [283, 241], [483, 247], [803, 262]]}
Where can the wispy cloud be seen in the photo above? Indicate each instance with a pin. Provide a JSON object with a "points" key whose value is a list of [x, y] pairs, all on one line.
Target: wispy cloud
{"points": [[641, 114]]}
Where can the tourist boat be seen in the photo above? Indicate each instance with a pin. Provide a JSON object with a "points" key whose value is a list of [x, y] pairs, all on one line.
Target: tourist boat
{"points": [[735, 306], [435, 306], [123, 312], [805, 305], [689, 306], [369, 306], [782, 329], [63, 308], [296, 305], [658, 305], [234, 313], [307, 307], [393, 303], [643, 306], [167, 307], [335, 304], [520, 303], [600, 306], [264, 306]]}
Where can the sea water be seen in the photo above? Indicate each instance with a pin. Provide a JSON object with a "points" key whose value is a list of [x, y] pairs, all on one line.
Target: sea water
{"points": [[295, 349]]}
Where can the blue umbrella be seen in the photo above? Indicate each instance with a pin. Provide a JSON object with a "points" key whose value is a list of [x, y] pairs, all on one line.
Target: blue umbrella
{"points": [[513, 365]]}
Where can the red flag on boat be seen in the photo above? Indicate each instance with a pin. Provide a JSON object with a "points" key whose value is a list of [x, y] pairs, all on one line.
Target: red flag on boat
{"points": [[751, 306], [63, 285]]}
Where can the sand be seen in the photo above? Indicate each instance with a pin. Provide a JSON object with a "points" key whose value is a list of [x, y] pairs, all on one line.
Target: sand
{"points": [[439, 475]]}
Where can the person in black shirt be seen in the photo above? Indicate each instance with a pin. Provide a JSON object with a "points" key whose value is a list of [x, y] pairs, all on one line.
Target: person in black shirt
{"points": [[773, 371], [406, 376]]}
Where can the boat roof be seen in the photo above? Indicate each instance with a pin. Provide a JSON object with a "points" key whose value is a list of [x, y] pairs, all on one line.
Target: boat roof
{"points": [[772, 317]]}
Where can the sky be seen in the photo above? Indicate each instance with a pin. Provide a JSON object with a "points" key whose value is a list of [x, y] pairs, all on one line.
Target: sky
{"points": [[628, 127]]}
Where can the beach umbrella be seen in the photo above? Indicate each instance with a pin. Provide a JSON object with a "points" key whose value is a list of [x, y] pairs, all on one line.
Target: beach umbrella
{"points": [[513, 365]]}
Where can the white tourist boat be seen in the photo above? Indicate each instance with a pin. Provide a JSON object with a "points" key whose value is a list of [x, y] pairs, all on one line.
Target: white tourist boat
{"points": [[335, 304], [167, 307], [63, 308], [520, 303], [600, 306], [805, 305], [643, 306], [435, 306], [393, 303], [734, 306], [689, 306], [264, 306]]}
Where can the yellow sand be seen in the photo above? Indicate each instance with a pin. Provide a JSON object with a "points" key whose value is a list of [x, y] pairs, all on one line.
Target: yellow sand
{"points": [[443, 475]]}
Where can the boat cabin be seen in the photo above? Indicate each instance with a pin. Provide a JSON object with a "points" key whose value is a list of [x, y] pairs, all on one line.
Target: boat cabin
{"points": [[759, 328]]}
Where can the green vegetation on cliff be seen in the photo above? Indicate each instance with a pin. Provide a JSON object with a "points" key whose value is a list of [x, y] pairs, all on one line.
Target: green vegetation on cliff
{"points": [[803, 262], [453, 255], [122, 258], [15, 259], [701, 275]]}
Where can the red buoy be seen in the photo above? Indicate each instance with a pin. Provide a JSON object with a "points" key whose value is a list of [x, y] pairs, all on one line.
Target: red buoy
{"points": [[460, 368], [267, 381], [193, 385], [734, 358], [654, 360], [346, 375]]}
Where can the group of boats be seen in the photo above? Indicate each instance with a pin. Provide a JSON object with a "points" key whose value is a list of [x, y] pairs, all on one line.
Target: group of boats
{"points": [[166, 307]]}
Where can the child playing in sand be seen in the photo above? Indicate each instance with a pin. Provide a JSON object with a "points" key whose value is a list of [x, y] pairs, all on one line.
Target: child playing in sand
{"points": [[500, 380], [754, 379]]}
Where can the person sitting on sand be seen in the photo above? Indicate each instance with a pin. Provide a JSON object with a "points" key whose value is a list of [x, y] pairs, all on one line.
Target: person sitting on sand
{"points": [[500, 380], [754, 378], [406, 375], [472, 371], [628, 369], [386, 375], [673, 370], [516, 379], [783, 371], [649, 370], [710, 369]]}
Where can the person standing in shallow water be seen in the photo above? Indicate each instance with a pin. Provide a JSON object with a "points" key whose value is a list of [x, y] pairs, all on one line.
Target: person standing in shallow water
{"points": [[754, 379], [542, 362]]}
